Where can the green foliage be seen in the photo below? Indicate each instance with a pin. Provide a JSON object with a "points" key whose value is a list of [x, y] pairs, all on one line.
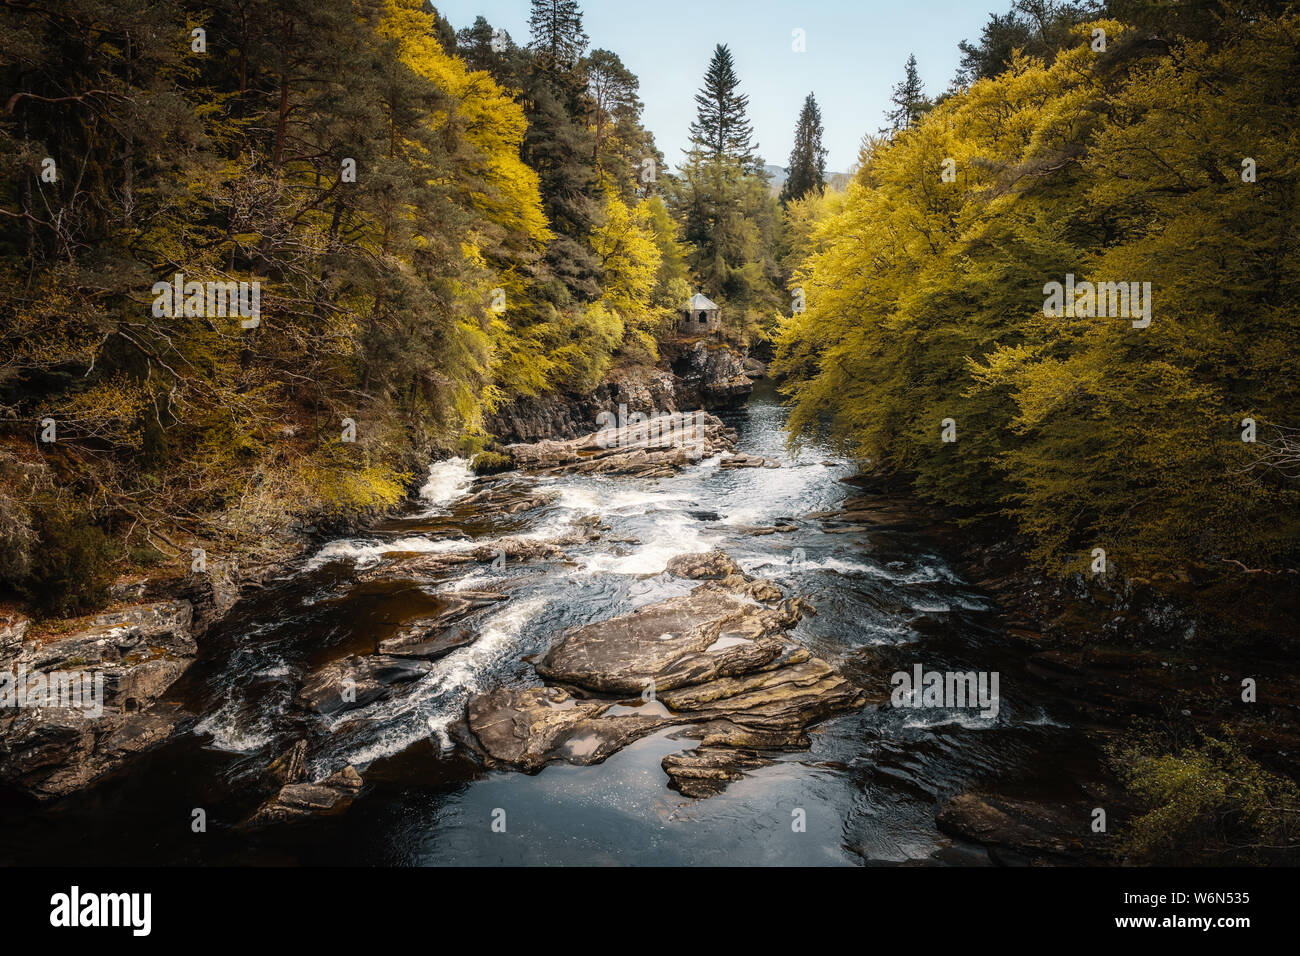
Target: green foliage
{"points": [[908, 98], [925, 302], [497, 241], [1203, 798], [721, 129], [808, 157], [71, 564], [491, 463]]}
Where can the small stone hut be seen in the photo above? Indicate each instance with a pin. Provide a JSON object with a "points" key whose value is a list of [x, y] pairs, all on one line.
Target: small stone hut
{"points": [[699, 316]]}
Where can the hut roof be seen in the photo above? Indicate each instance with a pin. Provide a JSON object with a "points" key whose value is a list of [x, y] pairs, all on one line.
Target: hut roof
{"points": [[701, 303]]}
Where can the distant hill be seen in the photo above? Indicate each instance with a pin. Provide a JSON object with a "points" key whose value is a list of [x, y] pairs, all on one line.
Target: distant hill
{"points": [[779, 174]]}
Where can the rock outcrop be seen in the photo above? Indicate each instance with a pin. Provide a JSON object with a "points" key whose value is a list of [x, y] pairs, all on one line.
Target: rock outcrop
{"points": [[357, 680], [717, 661], [711, 376], [655, 448], [75, 706], [560, 416], [708, 376]]}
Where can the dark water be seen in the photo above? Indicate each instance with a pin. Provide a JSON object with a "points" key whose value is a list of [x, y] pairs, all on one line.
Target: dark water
{"points": [[868, 789]]}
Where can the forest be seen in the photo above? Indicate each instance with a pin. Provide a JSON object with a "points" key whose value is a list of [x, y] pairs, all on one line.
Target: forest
{"points": [[440, 222], [270, 268]]}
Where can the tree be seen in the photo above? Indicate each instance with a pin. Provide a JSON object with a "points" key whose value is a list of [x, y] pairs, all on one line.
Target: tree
{"points": [[555, 28], [1040, 28], [925, 302], [721, 128], [615, 118], [908, 98], [808, 158]]}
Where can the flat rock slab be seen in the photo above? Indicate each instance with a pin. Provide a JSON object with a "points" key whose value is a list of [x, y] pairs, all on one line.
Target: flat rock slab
{"points": [[706, 771], [657, 448], [664, 645], [297, 800], [406, 566], [748, 461], [526, 728]]}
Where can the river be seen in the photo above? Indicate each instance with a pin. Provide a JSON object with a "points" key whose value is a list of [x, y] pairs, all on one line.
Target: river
{"points": [[868, 789]]}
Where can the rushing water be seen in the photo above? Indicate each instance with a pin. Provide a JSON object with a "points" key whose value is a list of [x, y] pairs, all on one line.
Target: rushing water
{"points": [[868, 789]]}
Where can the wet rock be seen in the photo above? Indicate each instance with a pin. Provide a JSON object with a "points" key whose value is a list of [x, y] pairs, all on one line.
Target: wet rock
{"points": [[427, 643], [747, 461], [432, 566], [298, 800], [526, 728], [714, 658], [431, 637], [724, 733], [505, 500], [807, 672], [1035, 831], [759, 531], [346, 779], [358, 680], [121, 663], [711, 377], [759, 589], [703, 566], [667, 644], [656, 448], [289, 767], [706, 771]]}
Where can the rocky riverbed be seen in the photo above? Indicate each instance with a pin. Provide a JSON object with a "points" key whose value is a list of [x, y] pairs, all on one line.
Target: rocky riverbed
{"points": [[625, 645]]}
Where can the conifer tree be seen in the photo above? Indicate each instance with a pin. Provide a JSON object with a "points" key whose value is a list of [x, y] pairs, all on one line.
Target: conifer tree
{"points": [[721, 129], [555, 28], [909, 99], [808, 158]]}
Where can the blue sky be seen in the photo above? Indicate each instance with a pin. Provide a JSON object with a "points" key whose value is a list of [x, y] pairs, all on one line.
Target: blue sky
{"points": [[855, 52]]}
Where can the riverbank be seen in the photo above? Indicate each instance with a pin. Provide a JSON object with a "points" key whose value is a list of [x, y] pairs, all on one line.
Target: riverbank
{"points": [[1140, 668]]}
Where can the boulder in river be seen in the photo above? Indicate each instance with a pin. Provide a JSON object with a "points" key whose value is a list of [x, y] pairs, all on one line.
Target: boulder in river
{"points": [[358, 680], [294, 801], [716, 659], [703, 567], [1025, 831]]}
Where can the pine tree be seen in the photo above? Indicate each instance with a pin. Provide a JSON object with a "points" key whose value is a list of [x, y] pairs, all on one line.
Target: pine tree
{"points": [[808, 158], [721, 129], [909, 99], [555, 27]]}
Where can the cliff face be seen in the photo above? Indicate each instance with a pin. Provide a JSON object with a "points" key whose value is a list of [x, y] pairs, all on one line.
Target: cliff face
{"points": [[711, 377], [701, 377]]}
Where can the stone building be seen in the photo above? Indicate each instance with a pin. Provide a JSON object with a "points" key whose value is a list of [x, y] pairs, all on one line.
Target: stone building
{"points": [[700, 316]]}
